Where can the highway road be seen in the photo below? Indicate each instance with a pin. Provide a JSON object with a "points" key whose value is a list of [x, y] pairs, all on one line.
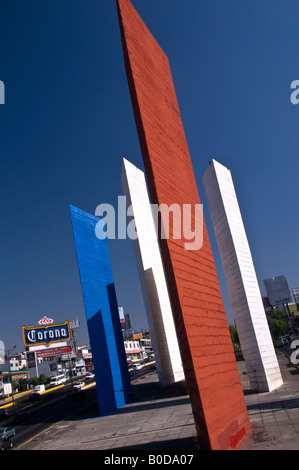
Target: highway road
{"points": [[50, 408], [62, 409], [55, 406]]}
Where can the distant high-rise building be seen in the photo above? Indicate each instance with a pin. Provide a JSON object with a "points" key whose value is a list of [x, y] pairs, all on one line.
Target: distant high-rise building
{"points": [[278, 290], [266, 303], [295, 292]]}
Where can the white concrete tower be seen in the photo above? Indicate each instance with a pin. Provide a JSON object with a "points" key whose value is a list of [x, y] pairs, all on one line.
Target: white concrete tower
{"points": [[152, 278], [245, 297]]}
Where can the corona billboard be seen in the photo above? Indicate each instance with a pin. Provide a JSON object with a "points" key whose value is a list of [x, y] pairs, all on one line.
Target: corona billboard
{"points": [[38, 335]]}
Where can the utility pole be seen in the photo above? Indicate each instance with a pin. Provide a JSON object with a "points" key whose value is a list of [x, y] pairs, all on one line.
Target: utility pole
{"points": [[12, 397], [73, 326]]}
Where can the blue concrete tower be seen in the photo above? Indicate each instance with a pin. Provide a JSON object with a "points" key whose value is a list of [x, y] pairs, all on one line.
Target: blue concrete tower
{"points": [[101, 308]]}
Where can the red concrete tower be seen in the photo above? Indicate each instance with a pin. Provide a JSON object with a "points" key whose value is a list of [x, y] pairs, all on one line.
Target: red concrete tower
{"points": [[210, 367]]}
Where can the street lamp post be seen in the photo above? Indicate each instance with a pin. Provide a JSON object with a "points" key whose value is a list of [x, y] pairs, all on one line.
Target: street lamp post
{"points": [[12, 397]]}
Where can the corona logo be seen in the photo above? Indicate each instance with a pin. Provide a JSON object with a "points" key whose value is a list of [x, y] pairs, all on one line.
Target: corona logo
{"points": [[45, 321], [47, 335]]}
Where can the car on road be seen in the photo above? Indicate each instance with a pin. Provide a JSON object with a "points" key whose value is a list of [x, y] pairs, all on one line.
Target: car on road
{"points": [[39, 389], [134, 369], [7, 432], [89, 375], [5, 444], [78, 385], [57, 380]]}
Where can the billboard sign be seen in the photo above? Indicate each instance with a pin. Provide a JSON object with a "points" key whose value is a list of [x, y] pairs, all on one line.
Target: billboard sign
{"points": [[121, 314], [35, 336], [68, 356], [137, 336], [31, 359], [53, 351]]}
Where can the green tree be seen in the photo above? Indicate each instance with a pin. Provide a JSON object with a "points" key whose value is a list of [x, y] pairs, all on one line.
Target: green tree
{"points": [[42, 379], [22, 385], [278, 322], [33, 381], [234, 336]]}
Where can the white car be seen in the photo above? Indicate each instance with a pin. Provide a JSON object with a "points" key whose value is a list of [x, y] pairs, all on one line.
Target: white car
{"points": [[78, 385], [89, 375], [137, 366]]}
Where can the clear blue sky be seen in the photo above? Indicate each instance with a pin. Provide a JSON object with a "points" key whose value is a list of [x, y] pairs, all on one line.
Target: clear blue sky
{"points": [[68, 121]]}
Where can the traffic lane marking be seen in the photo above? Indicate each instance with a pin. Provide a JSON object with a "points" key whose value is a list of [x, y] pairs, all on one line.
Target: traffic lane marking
{"points": [[28, 392], [88, 386], [50, 427]]}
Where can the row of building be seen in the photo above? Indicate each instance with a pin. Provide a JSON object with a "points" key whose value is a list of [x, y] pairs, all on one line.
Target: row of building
{"points": [[61, 359], [47, 362]]}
